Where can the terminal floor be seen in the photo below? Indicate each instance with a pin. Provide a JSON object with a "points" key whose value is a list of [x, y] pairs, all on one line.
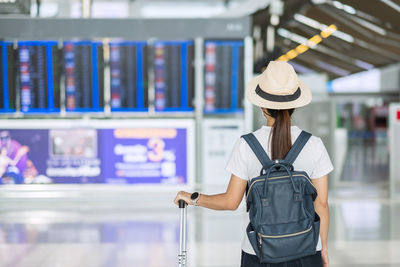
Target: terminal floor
{"points": [[366, 161], [364, 232]]}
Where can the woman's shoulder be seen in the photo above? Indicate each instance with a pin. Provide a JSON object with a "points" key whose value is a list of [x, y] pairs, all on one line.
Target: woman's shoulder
{"points": [[263, 133], [316, 140]]}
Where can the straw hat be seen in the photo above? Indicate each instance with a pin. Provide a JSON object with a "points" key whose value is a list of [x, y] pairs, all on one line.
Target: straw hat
{"points": [[278, 87]]}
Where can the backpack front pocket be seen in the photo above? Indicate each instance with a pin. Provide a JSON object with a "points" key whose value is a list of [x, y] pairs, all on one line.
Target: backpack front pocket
{"points": [[278, 248]]}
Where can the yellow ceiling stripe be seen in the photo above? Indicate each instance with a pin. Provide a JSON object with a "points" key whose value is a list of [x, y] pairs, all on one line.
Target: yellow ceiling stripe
{"points": [[316, 39]]}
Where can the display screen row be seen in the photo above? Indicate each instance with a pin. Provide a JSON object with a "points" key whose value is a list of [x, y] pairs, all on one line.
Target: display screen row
{"points": [[34, 74]]}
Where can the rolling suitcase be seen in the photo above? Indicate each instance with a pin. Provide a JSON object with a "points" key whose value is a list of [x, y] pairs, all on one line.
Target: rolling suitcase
{"points": [[182, 234]]}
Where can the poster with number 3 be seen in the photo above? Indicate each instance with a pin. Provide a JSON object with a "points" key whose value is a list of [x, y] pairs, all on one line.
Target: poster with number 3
{"points": [[144, 155]]}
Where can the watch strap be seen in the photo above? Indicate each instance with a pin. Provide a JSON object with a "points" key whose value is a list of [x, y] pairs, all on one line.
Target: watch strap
{"points": [[196, 199]]}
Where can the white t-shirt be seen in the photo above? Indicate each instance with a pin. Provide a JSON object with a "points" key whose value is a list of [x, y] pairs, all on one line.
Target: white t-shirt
{"points": [[243, 163]]}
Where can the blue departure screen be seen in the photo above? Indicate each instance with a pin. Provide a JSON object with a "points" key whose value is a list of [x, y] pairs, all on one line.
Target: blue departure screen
{"points": [[84, 75], [173, 71], [224, 76], [128, 70], [7, 77], [37, 70]]}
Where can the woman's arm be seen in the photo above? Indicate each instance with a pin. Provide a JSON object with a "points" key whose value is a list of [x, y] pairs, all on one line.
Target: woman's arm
{"points": [[229, 200], [322, 209]]}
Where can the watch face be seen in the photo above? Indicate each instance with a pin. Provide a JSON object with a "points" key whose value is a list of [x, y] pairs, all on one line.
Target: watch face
{"points": [[194, 195]]}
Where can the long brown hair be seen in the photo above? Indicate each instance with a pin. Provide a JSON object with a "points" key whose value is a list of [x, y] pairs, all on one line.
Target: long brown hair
{"points": [[281, 138]]}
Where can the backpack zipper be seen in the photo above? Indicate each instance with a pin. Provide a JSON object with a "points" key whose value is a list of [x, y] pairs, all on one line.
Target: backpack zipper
{"points": [[277, 178], [282, 236]]}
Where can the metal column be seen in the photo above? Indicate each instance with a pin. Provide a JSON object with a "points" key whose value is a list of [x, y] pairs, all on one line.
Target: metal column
{"points": [[248, 75], [394, 143], [199, 102]]}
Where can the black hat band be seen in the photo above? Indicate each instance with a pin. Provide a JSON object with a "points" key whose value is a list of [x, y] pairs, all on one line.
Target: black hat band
{"points": [[278, 98]]}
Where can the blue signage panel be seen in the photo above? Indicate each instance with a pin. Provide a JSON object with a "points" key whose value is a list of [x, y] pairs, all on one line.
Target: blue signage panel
{"points": [[38, 76], [129, 81], [84, 76], [174, 75], [7, 77], [224, 76]]}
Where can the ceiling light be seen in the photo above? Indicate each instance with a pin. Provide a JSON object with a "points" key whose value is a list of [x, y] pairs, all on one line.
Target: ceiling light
{"points": [[344, 36], [317, 25], [298, 38], [346, 8], [276, 7], [274, 20], [313, 41], [328, 31], [349, 9], [370, 26], [392, 5], [337, 4], [300, 68], [307, 21], [332, 68], [305, 43], [363, 64], [284, 33], [319, 2]]}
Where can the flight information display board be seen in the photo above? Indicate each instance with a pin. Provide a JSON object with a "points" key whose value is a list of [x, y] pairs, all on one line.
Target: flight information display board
{"points": [[7, 77], [174, 72], [224, 76], [84, 76], [39, 76], [129, 79]]}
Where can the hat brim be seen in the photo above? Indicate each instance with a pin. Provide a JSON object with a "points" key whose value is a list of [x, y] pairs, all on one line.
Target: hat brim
{"points": [[304, 98]]}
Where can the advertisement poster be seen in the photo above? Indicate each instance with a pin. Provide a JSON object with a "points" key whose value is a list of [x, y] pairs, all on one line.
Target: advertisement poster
{"points": [[73, 156], [49, 156], [111, 156], [23, 156], [144, 155]]}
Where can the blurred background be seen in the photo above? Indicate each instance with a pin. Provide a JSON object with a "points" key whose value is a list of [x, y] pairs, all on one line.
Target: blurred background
{"points": [[108, 108]]}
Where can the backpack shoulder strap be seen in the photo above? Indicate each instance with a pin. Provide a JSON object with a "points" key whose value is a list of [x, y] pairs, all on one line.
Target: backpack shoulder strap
{"points": [[260, 153], [297, 146], [257, 149]]}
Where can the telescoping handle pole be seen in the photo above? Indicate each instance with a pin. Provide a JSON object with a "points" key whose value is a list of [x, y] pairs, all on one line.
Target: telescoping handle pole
{"points": [[182, 234]]}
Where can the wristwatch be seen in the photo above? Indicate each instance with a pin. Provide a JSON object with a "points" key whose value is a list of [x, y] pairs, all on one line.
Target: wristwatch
{"points": [[195, 197]]}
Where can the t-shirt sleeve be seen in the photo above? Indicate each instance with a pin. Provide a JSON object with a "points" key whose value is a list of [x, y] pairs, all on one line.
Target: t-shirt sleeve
{"points": [[323, 165], [237, 163]]}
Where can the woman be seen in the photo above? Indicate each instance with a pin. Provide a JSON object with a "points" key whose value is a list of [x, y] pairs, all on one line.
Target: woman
{"points": [[278, 91]]}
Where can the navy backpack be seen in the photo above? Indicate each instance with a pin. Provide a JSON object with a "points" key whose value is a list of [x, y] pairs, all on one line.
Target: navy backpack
{"points": [[283, 223]]}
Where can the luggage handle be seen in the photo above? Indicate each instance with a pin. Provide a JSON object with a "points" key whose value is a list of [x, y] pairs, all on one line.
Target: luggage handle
{"points": [[182, 204], [182, 234]]}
